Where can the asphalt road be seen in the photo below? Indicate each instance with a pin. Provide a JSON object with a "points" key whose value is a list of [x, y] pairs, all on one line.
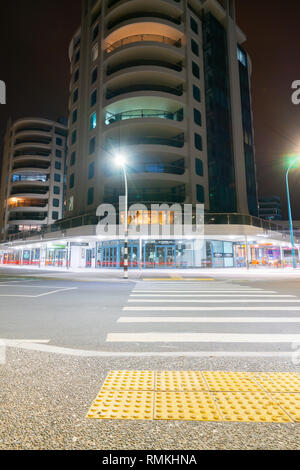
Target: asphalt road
{"points": [[144, 315], [46, 391]]}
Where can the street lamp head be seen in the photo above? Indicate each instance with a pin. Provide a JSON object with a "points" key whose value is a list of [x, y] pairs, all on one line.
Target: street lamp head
{"points": [[120, 159]]}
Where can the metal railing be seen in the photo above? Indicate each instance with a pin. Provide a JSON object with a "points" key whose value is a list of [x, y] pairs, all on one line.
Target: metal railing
{"points": [[145, 62], [144, 14], [141, 38], [151, 167], [130, 89], [209, 219], [144, 113], [177, 141]]}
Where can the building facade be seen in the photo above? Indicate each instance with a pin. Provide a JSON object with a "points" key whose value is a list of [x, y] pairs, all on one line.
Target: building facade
{"points": [[270, 208], [33, 171], [167, 83]]}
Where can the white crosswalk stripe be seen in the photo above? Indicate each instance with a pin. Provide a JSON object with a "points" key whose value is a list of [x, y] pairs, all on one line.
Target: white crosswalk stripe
{"points": [[226, 319]]}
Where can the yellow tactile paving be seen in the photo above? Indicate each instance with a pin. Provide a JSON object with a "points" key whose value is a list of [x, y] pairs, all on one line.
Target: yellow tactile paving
{"points": [[180, 381], [290, 403], [279, 381], [129, 380], [231, 382], [250, 407], [122, 405], [188, 406], [199, 396]]}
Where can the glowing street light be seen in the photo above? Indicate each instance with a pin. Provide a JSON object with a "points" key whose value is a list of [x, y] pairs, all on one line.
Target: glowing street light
{"points": [[120, 161], [294, 161]]}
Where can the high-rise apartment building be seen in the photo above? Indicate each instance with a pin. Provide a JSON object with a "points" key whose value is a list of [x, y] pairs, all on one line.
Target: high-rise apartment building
{"points": [[167, 82], [33, 171]]}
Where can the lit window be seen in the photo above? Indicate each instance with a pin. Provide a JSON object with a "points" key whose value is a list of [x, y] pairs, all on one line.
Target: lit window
{"points": [[93, 121], [242, 57]]}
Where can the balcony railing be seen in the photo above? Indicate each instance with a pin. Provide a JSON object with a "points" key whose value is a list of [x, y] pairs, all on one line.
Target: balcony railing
{"points": [[28, 216], [145, 62], [210, 218], [177, 141], [130, 89], [151, 167], [112, 3], [143, 113], [142, 38], [143, 14]]}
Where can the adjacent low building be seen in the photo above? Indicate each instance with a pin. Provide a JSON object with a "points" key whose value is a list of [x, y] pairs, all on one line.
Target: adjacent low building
{"points": [[33, 169]]}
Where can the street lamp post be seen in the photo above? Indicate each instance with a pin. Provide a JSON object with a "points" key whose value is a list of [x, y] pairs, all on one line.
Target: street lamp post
{"points": [[290, 212], [121, 162]]}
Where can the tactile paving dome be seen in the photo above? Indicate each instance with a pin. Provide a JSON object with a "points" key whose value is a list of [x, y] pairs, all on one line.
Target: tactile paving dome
{"points": [[199, 396]]}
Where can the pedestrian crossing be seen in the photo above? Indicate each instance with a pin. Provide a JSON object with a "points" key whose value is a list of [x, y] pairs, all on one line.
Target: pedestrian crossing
{"points": [[201, 317]]}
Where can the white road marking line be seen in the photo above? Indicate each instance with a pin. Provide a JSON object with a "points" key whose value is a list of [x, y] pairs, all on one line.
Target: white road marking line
{"points": [[153, 337], [199, 291], [35, 287], [209, 320], [45, 348], [211, 309], [56, 291], [214, 301], [214, 295], [39, 295]]}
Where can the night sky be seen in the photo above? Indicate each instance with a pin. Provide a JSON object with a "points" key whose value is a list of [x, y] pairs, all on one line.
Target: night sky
{"points": [[34, 40]]}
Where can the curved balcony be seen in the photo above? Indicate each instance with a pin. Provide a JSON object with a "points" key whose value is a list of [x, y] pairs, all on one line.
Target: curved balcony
{"points": [[113, 3], [138, 38], [143, 14], [178, 91], [31, 166], [31, 191], [155, 169], [144, 114], [32, 149], [175, 194], [144, 62], [27, 216], [177, 142], [33, 178]]}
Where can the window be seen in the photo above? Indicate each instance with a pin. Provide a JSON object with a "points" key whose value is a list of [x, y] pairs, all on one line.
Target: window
{"points": [[195, 47], [94, 98], [71, 203], [57, 178], [95, 32], [90, 196], [197, 117], [196, 93], [77, 57], [55, 202], [57, 165], [74, 116], [95, 52], [76, 76], [94, 75], [92, 145], [55, 215], [198, 142], [59, 141], [73, 158], [74, 136], [194, 25], [72, 181], [200, 194], [91, 170], [75, 95], [195, 70], [199, 167], [242, 57], [93, 121], [58, 153], [56, 190]]}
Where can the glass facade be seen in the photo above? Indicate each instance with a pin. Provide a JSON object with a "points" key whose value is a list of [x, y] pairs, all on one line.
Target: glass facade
{"points": [[248, 133], [222, 187]]}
